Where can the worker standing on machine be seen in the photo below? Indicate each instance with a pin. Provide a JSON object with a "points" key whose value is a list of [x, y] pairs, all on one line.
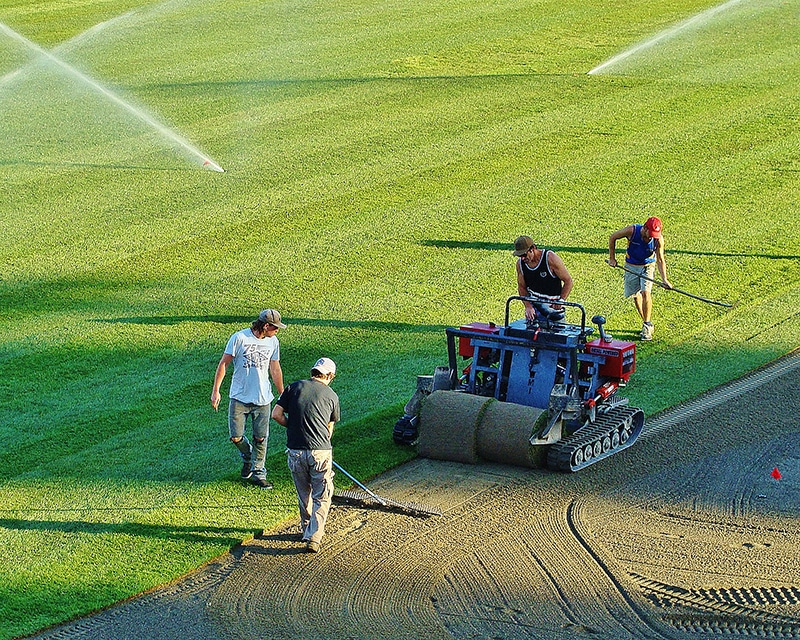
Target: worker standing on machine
{"points": [[541, 271], [645, 252]]}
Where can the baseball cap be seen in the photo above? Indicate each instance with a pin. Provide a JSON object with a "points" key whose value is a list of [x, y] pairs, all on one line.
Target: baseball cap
{"points": [[522, 245], [654, 226], [270, 316], [324, 366]]}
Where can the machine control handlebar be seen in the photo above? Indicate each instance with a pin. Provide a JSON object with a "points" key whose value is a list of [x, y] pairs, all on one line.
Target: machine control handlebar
{"points": [[547, 299], [600, 321]]}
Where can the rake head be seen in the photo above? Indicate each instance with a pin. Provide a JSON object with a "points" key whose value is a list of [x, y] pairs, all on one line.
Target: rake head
{"points": [[374, 501]]}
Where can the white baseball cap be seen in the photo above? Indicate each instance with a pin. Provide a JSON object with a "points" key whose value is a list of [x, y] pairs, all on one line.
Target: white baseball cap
{"points": [[325, 366]]}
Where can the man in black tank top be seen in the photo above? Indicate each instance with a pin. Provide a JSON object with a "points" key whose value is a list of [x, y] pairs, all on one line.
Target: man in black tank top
{"points": [[541, 271]]}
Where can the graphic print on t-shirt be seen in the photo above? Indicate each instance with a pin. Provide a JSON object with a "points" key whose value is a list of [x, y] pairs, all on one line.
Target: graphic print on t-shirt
{"points": [[255, 355]]}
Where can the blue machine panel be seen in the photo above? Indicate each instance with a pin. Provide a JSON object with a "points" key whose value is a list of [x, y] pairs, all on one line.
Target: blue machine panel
{"points": [[531, 376]]}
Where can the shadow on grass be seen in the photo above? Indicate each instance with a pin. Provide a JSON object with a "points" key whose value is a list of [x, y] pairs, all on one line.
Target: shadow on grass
{"points": [[214, 86], [199, 533], [600, 251], [244, 321], [624, 334], [8, 162]]}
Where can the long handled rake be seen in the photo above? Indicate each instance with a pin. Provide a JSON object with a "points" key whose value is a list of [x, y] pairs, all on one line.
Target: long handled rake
{"points": [[370, 498], [661, 284]]}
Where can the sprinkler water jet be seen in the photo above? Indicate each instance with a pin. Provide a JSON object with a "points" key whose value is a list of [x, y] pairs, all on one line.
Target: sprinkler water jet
{"points": [[206, 162], [698, 19]]}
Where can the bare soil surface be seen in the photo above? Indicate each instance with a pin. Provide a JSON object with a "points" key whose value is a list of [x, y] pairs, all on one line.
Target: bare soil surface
{"points": [[684, 535]]}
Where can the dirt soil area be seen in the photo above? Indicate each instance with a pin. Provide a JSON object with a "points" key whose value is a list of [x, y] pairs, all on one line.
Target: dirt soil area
{"points": [[684, 535]]}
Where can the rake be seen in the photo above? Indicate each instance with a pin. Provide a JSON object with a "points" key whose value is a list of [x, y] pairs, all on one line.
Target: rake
{"points": [[370, 498], [676, 290]]}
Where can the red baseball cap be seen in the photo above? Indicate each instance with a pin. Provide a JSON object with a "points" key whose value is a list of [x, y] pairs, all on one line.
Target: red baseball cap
{"points": [[654, 226]]}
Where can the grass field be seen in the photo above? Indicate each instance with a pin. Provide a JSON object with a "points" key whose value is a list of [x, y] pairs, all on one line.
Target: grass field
{"points": [[380, 158]]}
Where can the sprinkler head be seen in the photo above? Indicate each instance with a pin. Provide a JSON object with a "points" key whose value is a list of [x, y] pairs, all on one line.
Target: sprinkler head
{"points": [[213, 166]]}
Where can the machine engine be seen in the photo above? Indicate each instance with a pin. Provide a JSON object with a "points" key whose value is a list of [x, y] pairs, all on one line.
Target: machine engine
{"points": [[536, 394]]}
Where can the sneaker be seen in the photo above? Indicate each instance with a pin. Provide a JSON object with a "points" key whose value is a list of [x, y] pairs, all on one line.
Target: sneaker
{"points": [[261, 482], [647, 331], [312, 547], [247, 470]]}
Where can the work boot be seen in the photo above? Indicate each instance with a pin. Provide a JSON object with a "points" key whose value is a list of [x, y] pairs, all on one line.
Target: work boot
{"points": [[312, 547], [261, 481], [647, 331]]}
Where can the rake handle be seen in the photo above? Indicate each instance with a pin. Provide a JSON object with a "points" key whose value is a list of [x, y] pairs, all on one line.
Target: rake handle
{"points": [[675, 289], [371, 494]]}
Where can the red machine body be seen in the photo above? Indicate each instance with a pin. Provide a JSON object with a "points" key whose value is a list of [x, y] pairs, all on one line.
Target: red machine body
{"points": [[465, 348], [620, 357]]}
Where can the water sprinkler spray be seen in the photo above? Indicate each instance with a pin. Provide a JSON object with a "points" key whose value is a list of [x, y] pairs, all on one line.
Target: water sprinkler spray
{"points": [[698, 19], [141, 115]]}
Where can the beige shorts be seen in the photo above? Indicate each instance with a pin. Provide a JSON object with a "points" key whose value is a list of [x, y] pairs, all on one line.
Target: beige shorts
{"points": [[634, 283]]}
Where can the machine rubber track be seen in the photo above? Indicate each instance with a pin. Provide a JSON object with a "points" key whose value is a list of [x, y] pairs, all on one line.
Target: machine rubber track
{"points": [[612, 431]]}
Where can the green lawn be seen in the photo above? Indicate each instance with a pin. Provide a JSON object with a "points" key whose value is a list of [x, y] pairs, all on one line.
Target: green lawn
{"points": [[380, 158]]}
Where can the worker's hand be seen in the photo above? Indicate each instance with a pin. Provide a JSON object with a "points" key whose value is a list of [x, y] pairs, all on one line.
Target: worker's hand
{"points": [[215, 398], [666, 284], [612, 262], [530, 312]]}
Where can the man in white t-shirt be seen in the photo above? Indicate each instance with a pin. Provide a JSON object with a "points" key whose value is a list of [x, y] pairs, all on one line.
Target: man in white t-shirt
{"points": [[255, 354]]}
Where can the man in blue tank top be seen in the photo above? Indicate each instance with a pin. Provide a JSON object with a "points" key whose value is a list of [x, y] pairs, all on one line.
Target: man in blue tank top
{"points": [[645, 252], [543, 272]]}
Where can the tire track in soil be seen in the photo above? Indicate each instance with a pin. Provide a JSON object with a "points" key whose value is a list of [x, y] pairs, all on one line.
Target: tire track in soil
{"points": [[632, 617], [632, 548], [378, 578]]}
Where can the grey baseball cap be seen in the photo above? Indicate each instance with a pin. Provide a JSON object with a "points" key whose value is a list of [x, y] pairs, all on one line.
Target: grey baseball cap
{"points": [[270, 316]]}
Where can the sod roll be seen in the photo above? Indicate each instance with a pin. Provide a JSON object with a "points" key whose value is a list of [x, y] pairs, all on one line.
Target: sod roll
{"points": [[448, 423], [504, 432]]}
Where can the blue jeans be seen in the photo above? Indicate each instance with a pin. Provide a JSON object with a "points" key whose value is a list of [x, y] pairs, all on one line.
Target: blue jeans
{"points": [[256, 452]]}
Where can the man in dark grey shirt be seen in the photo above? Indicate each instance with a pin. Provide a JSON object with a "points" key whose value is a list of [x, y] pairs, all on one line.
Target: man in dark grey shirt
{"points": [[309, 409]]}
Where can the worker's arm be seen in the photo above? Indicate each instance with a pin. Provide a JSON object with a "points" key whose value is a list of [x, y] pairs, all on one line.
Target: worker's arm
{"points": [[219, 376], [279, 415], [559, 270], [276, 373], [522, 289], [627, 232], [661, 262]]}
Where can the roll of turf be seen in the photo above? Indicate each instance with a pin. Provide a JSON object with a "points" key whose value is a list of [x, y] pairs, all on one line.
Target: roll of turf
{"points": [[448, 422], [504, 433]]}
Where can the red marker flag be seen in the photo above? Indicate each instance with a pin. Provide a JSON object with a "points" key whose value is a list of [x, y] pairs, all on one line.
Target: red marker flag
{"points": [[776, 474]]}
